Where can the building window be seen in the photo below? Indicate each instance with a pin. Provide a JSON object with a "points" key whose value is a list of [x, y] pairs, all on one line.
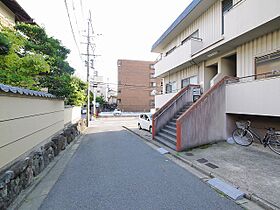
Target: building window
{"points": [[190, 80], [268, 64], [170, 87], [153, 84], [152, 75], [152, 103], [226, 5], [152, 66]]}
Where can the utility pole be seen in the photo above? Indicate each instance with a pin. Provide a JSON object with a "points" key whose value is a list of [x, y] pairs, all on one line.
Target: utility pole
{"points": [[87, 54], [88, 82]]}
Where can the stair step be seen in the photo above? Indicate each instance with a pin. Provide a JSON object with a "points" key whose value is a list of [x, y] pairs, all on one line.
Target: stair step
{"points": [[172, 123], [168, 132], [167, 137], [172, 128], [173, 120], [166, 143]]}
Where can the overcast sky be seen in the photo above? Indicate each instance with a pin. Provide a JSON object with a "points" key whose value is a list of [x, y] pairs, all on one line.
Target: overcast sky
{"points": [[129, 28]]}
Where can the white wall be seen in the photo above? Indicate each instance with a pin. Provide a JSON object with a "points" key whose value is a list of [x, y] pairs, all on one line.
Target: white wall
{"points": [[72, 114], [258, 97], [26, 122], [160, 100], [248, 15]]}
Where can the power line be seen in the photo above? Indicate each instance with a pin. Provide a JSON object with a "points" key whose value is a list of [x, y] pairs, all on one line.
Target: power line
{"points": [[82, 8], [72, 30], [76, 21]]}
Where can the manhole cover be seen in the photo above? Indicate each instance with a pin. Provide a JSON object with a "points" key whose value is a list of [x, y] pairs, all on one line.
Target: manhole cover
{"points": [[202, 160], [213, 166], [189, 154]]}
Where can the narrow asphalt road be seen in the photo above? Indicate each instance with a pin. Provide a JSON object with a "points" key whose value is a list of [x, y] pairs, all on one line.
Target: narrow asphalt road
{"points": [[114, 169]]}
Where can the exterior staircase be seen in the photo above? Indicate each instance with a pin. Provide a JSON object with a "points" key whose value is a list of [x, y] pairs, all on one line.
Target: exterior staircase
{"points": [[167, 135]]}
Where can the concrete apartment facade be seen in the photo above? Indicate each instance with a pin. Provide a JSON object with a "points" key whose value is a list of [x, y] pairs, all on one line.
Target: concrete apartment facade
{"points": [[212, 39], [137, 85], [210, 43]]}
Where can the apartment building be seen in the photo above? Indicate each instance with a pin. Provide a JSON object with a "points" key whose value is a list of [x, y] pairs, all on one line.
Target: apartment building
{"points": [[137, 86], [209, 40], [11, 12]]}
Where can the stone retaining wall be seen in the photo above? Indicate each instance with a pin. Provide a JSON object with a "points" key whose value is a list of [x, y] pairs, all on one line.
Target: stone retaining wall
{"points": [[21, 174]]}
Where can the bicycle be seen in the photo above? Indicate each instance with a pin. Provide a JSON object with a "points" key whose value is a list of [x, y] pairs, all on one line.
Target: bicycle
{"points": [[244, 136]]}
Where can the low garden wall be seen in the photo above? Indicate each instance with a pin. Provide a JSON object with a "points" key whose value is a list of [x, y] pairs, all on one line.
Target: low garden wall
{"points": [[34, 128]]}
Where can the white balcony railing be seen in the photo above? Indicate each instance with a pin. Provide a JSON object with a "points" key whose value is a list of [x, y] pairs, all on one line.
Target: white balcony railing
{"points": [[252, 14], [160, 100], [254, 96], [179, 56]]}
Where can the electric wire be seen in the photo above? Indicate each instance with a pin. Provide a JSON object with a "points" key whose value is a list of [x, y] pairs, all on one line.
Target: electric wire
{"points": [[72, 30]]}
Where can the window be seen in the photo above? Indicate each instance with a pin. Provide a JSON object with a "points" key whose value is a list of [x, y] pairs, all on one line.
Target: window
{"points": [[170, 87], [153, 84], [268, 64], [152, 103], [161, 84], [190, 80], [152, 66], [193, 35], [152, 75], [226, 5]]}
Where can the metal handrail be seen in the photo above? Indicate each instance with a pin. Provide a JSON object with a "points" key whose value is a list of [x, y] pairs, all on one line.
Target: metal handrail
{"points": [[266, 75], [176, 99]]}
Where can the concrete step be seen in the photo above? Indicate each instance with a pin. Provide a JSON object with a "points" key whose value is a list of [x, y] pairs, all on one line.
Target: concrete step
{"points": [[168, 132], [173, 120], [172, 123], [171, 128], [166, 143], [167, 137]]}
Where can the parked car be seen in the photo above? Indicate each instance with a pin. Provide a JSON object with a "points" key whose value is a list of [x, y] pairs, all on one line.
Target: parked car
{"points": [[145, 122], [117, 112]]}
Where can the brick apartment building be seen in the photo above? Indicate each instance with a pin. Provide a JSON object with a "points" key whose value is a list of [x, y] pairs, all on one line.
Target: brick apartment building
{"points": [[137, 85]]}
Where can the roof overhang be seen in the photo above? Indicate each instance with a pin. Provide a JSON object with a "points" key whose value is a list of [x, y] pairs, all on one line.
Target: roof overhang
{"points": [[20, 14], [190, 14]]}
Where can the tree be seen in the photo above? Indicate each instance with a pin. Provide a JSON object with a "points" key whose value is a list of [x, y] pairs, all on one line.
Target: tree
{"points": [[100, 100], [58, 80], [30, 58], [77, 92], [19, 67]]}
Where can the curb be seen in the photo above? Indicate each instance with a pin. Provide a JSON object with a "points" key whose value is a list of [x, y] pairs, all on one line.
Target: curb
{"points": [[254, 198], [24, 194]]}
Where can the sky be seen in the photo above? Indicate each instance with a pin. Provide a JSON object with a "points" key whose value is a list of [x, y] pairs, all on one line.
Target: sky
{"points": [[123, 29]]}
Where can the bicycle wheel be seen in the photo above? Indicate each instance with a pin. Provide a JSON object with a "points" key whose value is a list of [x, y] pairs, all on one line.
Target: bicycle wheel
{"points": [[242, 137], [274, 144]]}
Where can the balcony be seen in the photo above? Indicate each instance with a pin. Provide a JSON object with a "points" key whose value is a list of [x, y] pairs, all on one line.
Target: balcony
{"points": [[251, 13], [179, 56], [160, 100], [254, 97]]}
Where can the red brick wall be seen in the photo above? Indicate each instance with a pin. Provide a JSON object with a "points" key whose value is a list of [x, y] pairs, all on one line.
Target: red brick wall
{"points": [[134, 85]]}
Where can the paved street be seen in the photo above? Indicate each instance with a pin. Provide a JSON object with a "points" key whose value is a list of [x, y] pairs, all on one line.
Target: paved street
{"points": [[115, 169]]}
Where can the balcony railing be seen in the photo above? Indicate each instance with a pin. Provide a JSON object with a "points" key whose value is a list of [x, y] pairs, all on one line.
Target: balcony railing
{"points": [[178, 56], [254, 95], [251, 13]]}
